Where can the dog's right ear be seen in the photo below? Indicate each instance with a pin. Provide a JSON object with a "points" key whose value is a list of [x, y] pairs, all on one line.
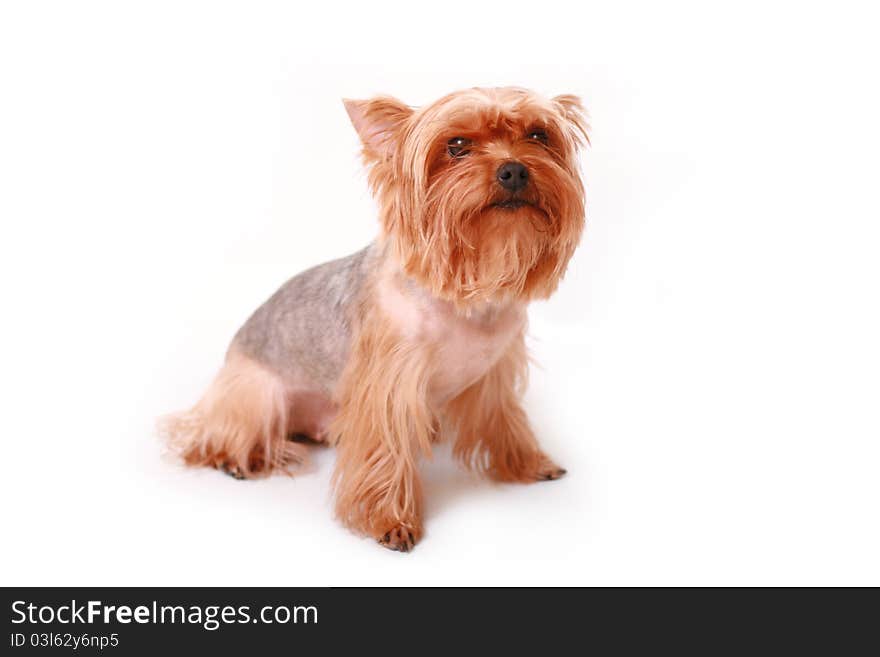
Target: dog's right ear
{"points": [[379, 122]]}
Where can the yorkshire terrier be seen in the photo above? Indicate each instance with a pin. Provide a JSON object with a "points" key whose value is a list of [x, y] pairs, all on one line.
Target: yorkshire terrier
{"points": [[421, 333]]}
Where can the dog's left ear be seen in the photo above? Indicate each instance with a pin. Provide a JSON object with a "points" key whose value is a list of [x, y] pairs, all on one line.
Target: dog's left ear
{"points": [[572, 109], [379, 123]]}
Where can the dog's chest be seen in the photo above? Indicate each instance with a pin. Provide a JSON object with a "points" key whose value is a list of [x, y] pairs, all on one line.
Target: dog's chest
{"points": [[467, 348], [461, 348]]}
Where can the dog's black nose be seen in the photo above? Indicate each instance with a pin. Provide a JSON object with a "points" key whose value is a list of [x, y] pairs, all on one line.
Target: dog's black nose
{"points": [[513, 176]]}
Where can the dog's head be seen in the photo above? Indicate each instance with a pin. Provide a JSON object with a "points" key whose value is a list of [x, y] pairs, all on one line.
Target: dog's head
{"points": [[480, 194]]}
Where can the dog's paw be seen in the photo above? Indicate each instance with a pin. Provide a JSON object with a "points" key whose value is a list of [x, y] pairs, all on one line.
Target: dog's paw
{"points": [[231, 469], [548, 471], [400, 539], [255, 467]]}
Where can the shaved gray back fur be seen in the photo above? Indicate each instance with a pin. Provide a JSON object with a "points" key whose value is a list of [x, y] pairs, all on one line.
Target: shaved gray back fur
{"points": [[304, 329]]}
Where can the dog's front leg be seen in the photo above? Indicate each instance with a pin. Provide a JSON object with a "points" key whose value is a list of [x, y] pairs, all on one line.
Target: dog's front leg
{"points": [[383, 426], [493, 432]]}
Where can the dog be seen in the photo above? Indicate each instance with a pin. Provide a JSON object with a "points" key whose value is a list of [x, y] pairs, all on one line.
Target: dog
{"points": [[421, 333]]}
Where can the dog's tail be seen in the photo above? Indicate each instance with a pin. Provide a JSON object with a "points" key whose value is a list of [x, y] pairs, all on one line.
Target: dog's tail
{"points": [[240, 425]]}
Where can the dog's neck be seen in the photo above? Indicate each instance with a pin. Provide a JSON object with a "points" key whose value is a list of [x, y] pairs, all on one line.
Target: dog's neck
{"points": [[394, 282], [463, 343]]}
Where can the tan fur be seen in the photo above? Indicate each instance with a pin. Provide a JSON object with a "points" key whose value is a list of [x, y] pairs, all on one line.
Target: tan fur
{"points": [[423, 329], [240, 425], [437, 213], [493, 434], [383, 426]]}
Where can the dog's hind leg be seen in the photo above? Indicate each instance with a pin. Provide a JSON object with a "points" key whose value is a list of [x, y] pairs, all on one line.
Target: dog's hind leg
{"points": [[240, 425]]}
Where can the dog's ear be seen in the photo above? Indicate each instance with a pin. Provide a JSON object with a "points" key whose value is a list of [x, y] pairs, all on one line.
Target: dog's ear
{"points": [[572, 110], [379, 123]]}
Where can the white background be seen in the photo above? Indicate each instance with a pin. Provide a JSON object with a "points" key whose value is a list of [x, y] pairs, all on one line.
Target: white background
{"points": [[709, 368]]}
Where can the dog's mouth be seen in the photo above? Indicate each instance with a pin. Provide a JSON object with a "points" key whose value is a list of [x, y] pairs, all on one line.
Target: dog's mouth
{"points": [[512, 204]]}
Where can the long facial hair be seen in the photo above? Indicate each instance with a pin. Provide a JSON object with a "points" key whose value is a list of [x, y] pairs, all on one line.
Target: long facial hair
{"points": [[445, 217]]}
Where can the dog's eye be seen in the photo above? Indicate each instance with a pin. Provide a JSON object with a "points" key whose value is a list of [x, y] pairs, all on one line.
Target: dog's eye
{"points": [[539, 135], [458, 146]]}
